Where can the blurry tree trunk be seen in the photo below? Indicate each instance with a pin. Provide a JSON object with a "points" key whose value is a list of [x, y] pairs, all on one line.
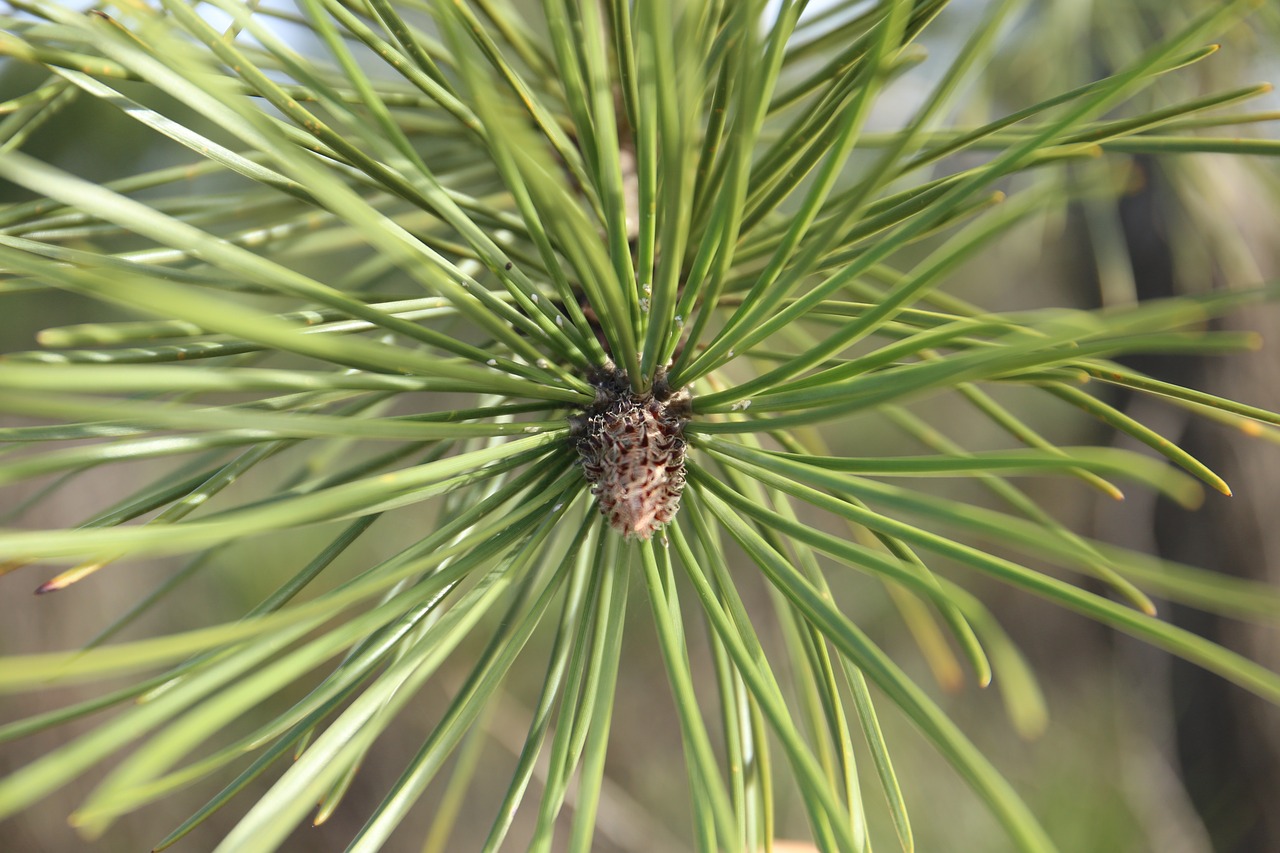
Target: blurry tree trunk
{"points": [[1226, 742]]}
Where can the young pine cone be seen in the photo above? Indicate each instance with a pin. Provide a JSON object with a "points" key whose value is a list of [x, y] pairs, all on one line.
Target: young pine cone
{"points": [[632, 450]]}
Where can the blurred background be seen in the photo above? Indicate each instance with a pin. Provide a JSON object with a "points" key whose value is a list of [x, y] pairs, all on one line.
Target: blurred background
{"points": [[1142, 753]]}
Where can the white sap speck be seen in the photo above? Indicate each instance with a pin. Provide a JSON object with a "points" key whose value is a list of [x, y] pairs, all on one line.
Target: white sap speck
{"points": [[493, 362]]}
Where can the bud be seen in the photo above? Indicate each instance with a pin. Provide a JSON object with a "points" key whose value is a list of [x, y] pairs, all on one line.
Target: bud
{"points": [[632, 450]]}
